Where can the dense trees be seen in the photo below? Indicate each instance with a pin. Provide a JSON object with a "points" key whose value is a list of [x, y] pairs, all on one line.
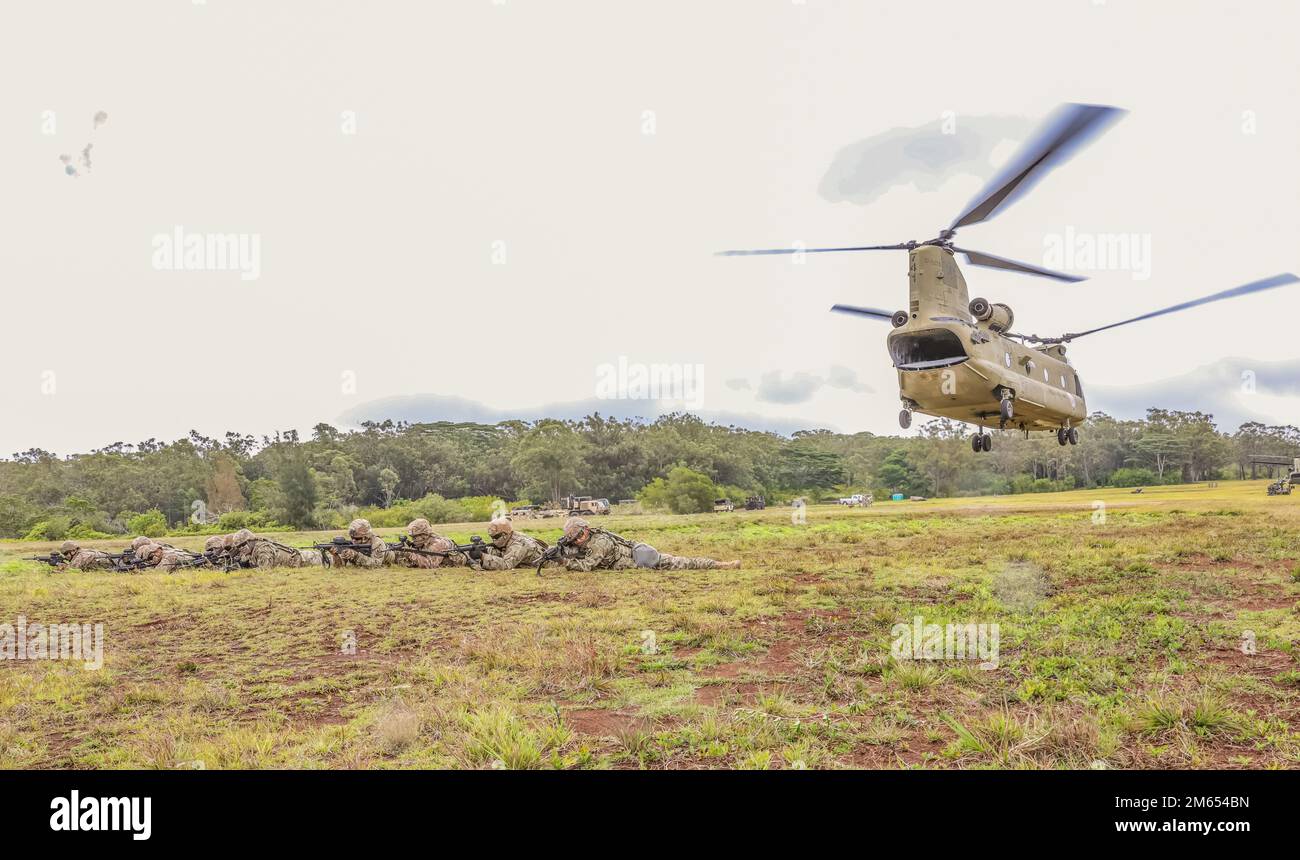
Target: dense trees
{"points": [[389, 470]]}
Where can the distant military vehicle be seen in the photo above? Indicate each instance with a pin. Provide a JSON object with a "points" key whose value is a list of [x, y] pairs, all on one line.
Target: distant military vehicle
{"points": [[581, 506], [723, 506], [755, 503]]}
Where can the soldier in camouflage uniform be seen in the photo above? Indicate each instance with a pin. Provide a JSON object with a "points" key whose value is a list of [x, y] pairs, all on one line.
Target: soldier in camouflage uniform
{"points": [[160, 557], [140, 541], [597, 549], [84, 559], [250, 550], [422, 536], [215, 548], [360, 532], [509, 548]]}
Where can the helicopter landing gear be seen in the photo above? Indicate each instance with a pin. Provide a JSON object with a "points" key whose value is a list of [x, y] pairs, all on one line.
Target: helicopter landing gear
{"points": [[1062, 436], [1073, 435], [905, 418], [1005, 409], [981, 441]]}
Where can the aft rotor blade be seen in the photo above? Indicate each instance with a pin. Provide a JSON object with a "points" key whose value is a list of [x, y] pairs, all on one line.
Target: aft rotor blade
{"points": [[979, 258], [767, 251], [1065, 133], [1245, 289], [864, 312]]}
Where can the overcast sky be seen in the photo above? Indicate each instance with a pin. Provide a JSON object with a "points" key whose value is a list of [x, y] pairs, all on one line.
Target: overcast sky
{"points": [[535, 189]]}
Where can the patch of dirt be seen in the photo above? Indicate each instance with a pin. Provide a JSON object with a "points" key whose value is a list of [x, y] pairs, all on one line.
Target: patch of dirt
{"points": [[777, 660], [1262, 664], [1259, 602], [709, 695], [601, 722]]}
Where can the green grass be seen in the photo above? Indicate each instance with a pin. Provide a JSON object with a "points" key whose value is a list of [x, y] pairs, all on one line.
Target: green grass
{"points": [[1120, 646]]}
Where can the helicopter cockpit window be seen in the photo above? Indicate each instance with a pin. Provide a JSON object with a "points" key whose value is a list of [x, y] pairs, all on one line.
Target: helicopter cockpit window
{"points": [[1078, 385], [919, 350]]}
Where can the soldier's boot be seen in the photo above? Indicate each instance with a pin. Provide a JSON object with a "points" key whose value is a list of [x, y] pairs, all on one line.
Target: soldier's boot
{"points": [[729, 565]]}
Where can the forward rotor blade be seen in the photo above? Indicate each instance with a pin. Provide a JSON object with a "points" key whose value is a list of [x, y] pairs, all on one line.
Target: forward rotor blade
{"points": [[979, 258], [1065, 133], [767, 251], [864, 312], [1245, 289]]}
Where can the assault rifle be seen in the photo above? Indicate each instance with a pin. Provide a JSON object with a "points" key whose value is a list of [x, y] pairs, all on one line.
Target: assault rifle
{"points": [[124, 561], [474, 549], [331, 549], [553, 553], [54, 559], [211, 559]]}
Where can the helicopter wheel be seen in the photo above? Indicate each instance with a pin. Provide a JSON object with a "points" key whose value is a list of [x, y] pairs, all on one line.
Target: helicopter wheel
{"points": [[1062, 436], [987, 444], [1007, 410], [905, 418], [1073, 435], [977, 442]]}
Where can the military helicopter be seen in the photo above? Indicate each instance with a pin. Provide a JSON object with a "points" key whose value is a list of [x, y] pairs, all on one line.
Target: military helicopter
{"points": [[959, 358]]}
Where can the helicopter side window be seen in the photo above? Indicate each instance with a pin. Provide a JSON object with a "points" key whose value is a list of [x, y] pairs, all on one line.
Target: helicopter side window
{"points": [[926, 349], [1078, 385]]}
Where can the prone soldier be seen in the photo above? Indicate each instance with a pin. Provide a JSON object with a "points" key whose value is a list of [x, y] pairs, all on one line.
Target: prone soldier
{"points": [[84, 559], [422, 537], [360, 532], [590, 548], [161, 557], [509, 549], [250, 550]]}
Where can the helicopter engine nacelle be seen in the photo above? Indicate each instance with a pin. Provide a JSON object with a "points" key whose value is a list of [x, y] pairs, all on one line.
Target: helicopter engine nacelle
{"points": [[999, 317]]}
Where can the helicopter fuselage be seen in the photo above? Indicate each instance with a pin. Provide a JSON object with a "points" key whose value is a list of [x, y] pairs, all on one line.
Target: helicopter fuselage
{"points": [[951, 364]]}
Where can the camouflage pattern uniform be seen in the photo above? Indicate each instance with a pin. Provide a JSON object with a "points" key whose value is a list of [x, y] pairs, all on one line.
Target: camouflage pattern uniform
{"points": [[360, 532], [161, 557], [84, 559], [215, 549], [249, 550], [140, 541], [509, 549], [422, 536], [602, 550]]}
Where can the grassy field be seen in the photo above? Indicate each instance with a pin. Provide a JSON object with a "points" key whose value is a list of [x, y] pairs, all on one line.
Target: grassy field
{"points": [[1120, 646]]}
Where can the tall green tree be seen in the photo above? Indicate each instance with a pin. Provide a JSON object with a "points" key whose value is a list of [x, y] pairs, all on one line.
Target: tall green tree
{"points": [[298, 493]]}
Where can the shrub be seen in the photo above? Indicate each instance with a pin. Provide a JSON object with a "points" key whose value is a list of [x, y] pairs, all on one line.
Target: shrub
{"points": [[685, 491], [235, 520], [55, 528], [436, 509], [479, 507], [150, 524], [84, 531], [1130, 477]]}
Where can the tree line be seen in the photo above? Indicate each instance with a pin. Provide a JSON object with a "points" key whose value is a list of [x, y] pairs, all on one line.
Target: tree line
{"points": [[392, 471]]}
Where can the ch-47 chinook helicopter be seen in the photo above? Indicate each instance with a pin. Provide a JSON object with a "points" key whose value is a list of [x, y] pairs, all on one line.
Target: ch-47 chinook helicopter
{"points": [[958, 358]]}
